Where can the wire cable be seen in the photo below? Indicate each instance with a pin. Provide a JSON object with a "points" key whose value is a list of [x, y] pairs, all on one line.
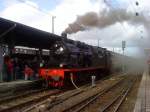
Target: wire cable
{"points": [[37, 8], [134, 10], [117, 17]]}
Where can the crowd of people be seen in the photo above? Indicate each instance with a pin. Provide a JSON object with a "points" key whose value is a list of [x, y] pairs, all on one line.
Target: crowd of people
{"points": [[14, 69]]}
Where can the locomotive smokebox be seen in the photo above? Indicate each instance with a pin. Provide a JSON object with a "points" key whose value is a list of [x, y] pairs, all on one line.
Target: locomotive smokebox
{"points": [[64, 34]]}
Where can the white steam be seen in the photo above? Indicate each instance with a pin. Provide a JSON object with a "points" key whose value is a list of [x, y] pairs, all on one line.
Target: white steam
{"points": [[107, 17], [104, 19]]}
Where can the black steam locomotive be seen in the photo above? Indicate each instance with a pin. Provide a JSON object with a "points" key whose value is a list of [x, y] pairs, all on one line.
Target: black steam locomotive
{"points": [[75, 58], [67, 53]]}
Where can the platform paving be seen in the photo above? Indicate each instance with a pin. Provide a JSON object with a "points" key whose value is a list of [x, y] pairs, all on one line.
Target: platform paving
{"points": [[143, 97], [15, 82], [13, 87]]}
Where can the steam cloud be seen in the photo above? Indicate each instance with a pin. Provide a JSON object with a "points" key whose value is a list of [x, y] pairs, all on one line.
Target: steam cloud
{"points": [[108, 17], [92, 19], [105, 18]]}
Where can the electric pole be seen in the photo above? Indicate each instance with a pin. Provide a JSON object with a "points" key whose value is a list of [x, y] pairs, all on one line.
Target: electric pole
{"points": [[53, 18], [98, 41], [123, 60]]}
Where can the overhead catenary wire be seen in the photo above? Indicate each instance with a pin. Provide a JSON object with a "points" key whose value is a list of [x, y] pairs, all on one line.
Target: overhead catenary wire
{"points": [[132, 5], [117, 17], [40, 10], [125, 30], [36, 8], [133, 8]]}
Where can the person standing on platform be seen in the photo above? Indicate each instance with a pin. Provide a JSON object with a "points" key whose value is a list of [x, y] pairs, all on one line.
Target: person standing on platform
{"points": [[10, 70], [16, 69], [7, 69], [1, 63], [28, 73]]}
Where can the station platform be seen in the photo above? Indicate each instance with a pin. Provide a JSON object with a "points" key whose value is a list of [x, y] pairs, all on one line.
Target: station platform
{"points": [[15, 82], [143, 96], [18, 86]]}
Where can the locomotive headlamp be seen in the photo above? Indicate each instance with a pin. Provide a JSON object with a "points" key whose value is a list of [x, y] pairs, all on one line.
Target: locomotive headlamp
{"points": [[61, 65], [61, 49]]}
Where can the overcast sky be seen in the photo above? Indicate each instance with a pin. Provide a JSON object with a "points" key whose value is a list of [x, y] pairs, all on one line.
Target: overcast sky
{"points": [[134, 32]]}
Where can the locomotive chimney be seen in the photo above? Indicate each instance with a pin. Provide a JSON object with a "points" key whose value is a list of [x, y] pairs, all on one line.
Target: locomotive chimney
{"points": [[64, 34]]}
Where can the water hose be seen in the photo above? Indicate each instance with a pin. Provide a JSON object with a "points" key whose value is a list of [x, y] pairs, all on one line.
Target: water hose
{"points": [[71, 78]]}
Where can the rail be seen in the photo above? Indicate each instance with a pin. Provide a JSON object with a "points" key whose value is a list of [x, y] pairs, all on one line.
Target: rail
{"points": [[91, 99], [30, 101]]}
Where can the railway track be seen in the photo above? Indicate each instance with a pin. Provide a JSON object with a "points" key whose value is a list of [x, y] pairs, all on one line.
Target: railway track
{"points": [[65, 103], [114, 105], [7, 103], [46, 105], [78, 100], [27, 93], [58, 99], [17, 104], [107, 100], [37, 100]]}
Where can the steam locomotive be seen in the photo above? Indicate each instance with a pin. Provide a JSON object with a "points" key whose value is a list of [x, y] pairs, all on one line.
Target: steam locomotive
{"points": [[74, 60]]}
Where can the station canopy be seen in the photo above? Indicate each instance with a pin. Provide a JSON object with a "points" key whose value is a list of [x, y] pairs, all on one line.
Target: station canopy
{"points": [[13, 33]]}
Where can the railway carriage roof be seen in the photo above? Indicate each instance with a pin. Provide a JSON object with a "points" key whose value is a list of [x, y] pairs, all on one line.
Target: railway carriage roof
{"points": [[22, 35]]}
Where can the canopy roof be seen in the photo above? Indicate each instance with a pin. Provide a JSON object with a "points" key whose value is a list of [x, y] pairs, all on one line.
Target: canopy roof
{"points": [[22, 35]]}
